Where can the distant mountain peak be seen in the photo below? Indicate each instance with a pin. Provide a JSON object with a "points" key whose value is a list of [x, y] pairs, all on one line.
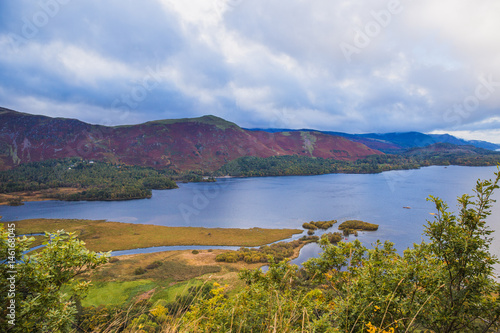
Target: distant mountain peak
{"points": [[206, 119]]}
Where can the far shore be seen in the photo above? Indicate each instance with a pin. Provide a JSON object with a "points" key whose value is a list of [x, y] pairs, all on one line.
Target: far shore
{"points": [[40, 195]]}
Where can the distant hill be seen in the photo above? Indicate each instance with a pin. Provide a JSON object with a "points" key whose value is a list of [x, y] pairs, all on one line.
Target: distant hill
{"points": [[399, 142], [205, 143]]}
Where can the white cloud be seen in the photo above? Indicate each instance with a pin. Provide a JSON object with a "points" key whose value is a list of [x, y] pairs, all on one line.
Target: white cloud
{"points": [[483, 135], [263, 63]]}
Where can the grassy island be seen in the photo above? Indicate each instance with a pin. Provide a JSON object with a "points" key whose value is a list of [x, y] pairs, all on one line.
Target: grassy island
{"points": [[358, 225], [313, 225]]}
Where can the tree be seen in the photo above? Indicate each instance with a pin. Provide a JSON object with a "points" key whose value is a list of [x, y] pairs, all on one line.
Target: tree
{"points": [[38, 286], [468, 301]]}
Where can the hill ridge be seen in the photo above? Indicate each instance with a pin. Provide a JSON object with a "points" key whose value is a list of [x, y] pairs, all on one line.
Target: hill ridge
{"points": [[202, 143]]}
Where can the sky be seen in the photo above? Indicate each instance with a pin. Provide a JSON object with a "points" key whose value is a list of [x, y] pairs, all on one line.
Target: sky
{"points": [[352, 66]]}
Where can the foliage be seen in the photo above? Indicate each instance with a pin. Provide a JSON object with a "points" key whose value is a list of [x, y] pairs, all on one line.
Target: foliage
{"points": [[143, 316], [333, 237], [313, 225], [182, 302], [154, 264], [251, 166], [358, 225], [270, 302], [94, 319], [18, 201], [94, 180], [41, 279]]}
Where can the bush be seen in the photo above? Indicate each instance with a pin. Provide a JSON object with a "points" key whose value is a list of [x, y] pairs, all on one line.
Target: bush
{"points": [[195, 252], [113, 259], [309, 226], [279, 251], [358, 225], [334, 237], [139, 271], [154, 264], [43, 281], [15, 202], [313, 225]]}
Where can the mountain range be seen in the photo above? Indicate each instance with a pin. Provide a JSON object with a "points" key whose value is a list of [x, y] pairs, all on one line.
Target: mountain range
{"points": [[204, 143]]}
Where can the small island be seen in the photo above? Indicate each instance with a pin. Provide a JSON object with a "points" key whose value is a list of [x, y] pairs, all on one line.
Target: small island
{"points": [[313, 225], [358, 225]]}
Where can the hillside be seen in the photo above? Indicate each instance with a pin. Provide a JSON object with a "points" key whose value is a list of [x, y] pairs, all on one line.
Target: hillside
{"points": [[399, 142], [206, 142]]}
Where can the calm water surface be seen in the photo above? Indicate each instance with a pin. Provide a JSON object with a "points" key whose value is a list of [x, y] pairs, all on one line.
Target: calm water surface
{"points": [[287, 202]]}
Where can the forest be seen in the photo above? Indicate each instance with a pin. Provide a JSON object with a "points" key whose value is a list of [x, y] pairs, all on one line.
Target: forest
{"points": [[93, 180], [251, 166]]}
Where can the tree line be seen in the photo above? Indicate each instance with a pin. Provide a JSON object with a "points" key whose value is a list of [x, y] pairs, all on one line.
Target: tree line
{"points": [[251, 166], [94, 180]]}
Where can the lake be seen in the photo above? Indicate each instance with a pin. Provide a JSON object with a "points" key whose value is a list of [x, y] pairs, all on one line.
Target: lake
{"points": [[287, 202]]}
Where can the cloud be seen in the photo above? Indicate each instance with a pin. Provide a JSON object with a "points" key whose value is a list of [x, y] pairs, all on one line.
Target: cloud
{"points": [[258, 63]]}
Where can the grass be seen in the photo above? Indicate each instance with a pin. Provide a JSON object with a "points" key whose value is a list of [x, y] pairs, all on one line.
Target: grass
{"points": [[116, 284], [175, 266], [116, 293], [169, 294], [100, 235]]}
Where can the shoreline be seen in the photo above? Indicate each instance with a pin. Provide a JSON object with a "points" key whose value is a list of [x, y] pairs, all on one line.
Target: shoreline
{"points": [[38, 196]]}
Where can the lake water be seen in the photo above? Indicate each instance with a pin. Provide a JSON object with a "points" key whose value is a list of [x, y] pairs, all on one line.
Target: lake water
{"points": [[287, 202]]}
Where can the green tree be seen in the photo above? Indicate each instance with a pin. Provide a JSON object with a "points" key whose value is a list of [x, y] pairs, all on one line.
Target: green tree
{"points": [[466, 303], [42, 283]]}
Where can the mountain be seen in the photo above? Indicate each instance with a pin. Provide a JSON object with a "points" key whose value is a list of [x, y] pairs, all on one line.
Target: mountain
{"points": [[449, 153], [399, 142], [206, 142], [448, 148]]}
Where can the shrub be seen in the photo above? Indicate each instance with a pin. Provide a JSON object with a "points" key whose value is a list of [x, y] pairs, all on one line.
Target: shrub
{"points": [[139, 271], [154, 264], [358, 225], [309, 226], [334, 237], [313, 225], [15, 202], [279, 251], [195, 252]]}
